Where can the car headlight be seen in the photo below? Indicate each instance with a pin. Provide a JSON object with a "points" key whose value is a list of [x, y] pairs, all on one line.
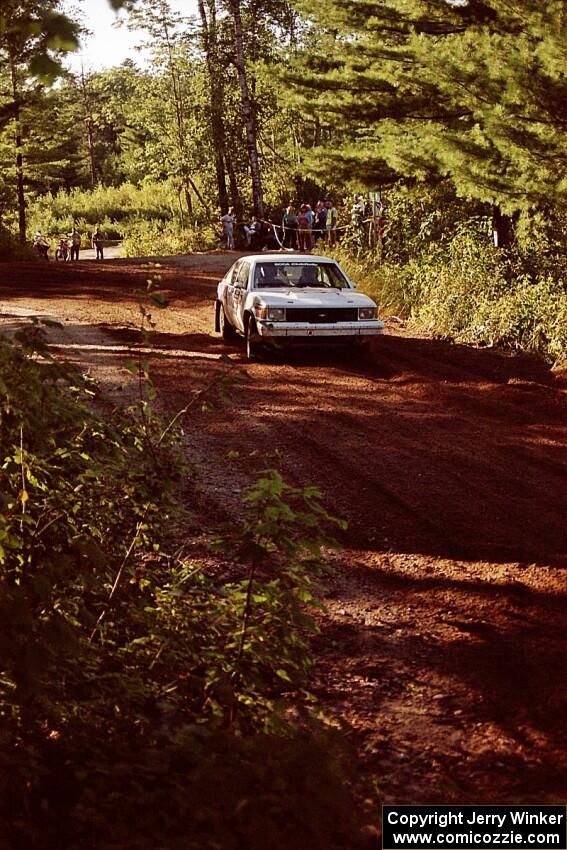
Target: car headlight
{"points": [[365, 313], [270, 314], [276, 314]]}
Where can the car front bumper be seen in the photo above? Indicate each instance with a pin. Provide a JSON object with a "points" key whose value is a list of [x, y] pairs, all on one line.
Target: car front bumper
{"points": [[277, 330]]}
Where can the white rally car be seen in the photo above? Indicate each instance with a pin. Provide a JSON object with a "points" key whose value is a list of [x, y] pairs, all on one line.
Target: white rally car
{"points": [[279, 299]]}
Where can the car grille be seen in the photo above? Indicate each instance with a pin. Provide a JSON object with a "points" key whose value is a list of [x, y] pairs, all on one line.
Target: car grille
{"points": [[321, 316]]}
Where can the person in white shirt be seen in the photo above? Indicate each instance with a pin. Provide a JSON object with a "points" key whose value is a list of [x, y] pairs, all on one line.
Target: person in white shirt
{"points": [[228, 227], [331, 223]]}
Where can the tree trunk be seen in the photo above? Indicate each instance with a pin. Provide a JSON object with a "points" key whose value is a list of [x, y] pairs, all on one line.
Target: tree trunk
{"points": [[216, 88], [317, 133], [247, 111], [181, 210], [180, 119], [503, 230], [89, 126], [235, 199], [19, 157]]}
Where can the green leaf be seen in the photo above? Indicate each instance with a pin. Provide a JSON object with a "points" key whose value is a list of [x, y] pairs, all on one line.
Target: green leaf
{"points": [[45, 68], [283, 674]]}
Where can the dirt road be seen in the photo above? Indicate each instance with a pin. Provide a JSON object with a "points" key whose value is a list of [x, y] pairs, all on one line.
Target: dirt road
{"points": [[443, 646]]}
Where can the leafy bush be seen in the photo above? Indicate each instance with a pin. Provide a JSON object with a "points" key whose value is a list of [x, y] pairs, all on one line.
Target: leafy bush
{"points": [[396, 289], [156, 238], [530, 316], [141, 701], [56, 213], [12, 249], [145, 217], [438, 267]]}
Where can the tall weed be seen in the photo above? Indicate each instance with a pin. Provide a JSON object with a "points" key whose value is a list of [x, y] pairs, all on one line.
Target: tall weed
{"points": [[146, 218], [157, 238], [439, 268]]}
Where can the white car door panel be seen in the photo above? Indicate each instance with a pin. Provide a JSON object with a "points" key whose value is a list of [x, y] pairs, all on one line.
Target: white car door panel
{"points": [[238, 294]]}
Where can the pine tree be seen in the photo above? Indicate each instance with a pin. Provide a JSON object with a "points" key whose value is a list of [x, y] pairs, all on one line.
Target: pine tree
{"points": [[169, 38], [476, 92], [33, 37]]}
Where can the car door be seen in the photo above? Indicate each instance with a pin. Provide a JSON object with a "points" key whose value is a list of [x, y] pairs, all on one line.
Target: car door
{"points": [[228, 295], [236, 294]]}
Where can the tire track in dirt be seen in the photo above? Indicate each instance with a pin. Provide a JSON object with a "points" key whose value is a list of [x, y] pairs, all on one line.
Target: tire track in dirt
{"points": [[344, 467]]}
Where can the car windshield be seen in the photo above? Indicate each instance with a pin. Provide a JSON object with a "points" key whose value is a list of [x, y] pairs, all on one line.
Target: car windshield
{"points": [[287, 274]]}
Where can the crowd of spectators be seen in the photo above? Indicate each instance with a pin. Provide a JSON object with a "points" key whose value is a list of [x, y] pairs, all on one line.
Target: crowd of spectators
{"points": [[300, 230]]}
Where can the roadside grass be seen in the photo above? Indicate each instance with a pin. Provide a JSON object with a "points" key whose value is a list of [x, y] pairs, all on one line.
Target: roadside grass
{"points": [[452, 282], [145, 218]]}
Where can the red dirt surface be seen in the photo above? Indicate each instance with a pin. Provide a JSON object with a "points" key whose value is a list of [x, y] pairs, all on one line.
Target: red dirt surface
{"points": [[443, 645]]}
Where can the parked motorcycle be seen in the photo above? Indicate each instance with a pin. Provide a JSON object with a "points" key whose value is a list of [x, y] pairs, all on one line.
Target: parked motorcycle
{"points": [[62, 250]]}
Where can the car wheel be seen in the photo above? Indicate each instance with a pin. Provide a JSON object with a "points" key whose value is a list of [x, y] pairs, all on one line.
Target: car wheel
{"points": [[253, 344], [227, 330]]}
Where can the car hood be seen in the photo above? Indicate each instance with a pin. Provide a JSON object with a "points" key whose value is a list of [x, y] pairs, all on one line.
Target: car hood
{"points": [[310, 297]]}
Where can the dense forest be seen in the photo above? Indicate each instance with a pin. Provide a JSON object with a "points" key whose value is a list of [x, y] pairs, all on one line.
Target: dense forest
{"points": [[454, 112], [141, 705]]}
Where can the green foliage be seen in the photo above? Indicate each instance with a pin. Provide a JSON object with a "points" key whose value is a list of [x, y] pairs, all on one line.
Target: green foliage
{"points": [[150, 238], [115, 205], [437, 265], [75, 488], [34, 35], [11, 249], [142, 702], [480, 296], [475, 92], [281, 540], [144, 217]]}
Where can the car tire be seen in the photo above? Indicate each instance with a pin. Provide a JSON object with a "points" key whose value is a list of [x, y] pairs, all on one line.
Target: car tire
{"points": [[253, 344], [227, 330]]}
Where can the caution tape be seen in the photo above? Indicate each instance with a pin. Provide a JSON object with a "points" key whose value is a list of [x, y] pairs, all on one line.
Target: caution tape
{"points": [[309, 229]]}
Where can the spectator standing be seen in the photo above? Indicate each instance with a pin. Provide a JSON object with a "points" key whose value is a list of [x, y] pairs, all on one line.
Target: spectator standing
{"points": [[228, 228], [75, 240], [357, 221], [312, 221], [320, 220], [290, 224], [304, 231], [98, 244], [331, 222], [357, 211]]}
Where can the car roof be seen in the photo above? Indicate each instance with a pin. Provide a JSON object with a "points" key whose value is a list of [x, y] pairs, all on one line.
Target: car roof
{"points": [[283, 257]]}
